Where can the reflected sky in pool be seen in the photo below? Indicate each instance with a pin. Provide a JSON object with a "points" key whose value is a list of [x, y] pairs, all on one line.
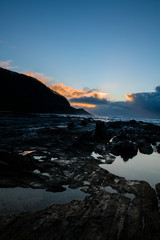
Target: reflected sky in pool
{"points": [[141, 167], [13, 200]]}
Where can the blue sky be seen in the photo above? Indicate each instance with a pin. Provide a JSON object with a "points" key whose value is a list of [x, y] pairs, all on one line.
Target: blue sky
{"points": [[100, 44]]}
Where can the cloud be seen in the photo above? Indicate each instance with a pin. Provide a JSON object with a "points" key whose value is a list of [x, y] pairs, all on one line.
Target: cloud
{"points": [[82, 105], [6, 64], [129, 97], [71, 93], [87, 102], [157, 89], [66, 91], [113, 109], [40, 76], [149, 101], [90, 100], [145, 104], [87, 98]]}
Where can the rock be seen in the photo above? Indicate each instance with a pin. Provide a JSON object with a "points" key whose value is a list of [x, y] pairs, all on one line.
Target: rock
{"points": [[114, 208], [71, 125], [158, 189], [15, 161], [85, 141], [145, 148], [133, 122], [123, 136], [104, 215], [125, 149], [100, 131], [158, 148], [84, 122]]}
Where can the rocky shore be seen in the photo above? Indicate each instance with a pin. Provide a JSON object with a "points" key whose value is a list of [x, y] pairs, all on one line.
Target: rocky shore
{"points": [[57, 152]]}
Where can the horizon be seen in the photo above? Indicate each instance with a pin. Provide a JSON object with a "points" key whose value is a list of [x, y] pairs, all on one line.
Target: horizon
{"points": [[103, 56], [112, 115]]}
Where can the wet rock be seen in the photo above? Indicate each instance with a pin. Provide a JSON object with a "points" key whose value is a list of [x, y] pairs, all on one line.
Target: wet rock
{"points": [[71, 125], [145, 148], [103, 132], [128, 212], [85, 137], [100, 131], [84, 122], [104, 215], [100, 148], [84, 141], [123, 136], [158, 189], [125, 149], [133, 122], [158, 148], [15, 161]]}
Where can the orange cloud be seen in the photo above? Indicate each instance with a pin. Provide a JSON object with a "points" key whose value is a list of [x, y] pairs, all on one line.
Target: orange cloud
{"points": [[129, 97], [70, 92], [84, 105], [66, 91], [6, 64], [40, 76]]}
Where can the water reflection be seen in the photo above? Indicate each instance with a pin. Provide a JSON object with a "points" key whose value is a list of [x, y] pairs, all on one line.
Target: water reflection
{"points": [[19, 199], [141, 167]]}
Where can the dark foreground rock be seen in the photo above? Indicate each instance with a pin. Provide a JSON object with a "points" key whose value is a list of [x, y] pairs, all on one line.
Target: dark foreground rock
{"points": [[145, 148], [125, 149], [55, 153], [158, 189], [158, 148], [101, 216]]}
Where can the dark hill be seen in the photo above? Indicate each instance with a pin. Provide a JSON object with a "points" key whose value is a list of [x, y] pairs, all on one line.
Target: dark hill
{"points": [[21, 93]]}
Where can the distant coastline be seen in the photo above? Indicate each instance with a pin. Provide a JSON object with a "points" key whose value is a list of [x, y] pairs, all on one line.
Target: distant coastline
{"points": [[21, 93]]}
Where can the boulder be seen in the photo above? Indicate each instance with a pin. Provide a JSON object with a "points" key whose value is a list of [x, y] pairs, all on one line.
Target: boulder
{"points": [[103, 132], [125, 149], [100, 131], [145, 148]]}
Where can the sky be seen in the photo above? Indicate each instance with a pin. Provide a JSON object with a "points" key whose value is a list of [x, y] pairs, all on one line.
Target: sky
{"points": [[103, 55]]}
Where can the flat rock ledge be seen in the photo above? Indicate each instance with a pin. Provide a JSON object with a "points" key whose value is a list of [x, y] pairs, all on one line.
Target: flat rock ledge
{"points": [[127, 210]]}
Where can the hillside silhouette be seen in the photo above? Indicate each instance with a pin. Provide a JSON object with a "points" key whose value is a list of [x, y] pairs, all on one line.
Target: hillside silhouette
{"points": [[21, 93]]}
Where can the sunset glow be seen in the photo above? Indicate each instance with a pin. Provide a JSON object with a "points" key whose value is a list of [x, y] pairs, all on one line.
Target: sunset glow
{"points": [[40, 76], [67, 91], [70, 92], [6, 64], [129, 97], [84, 105]]}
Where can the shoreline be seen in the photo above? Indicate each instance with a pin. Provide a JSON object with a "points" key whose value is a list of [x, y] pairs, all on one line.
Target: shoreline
{"points": [[62, 147]]}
